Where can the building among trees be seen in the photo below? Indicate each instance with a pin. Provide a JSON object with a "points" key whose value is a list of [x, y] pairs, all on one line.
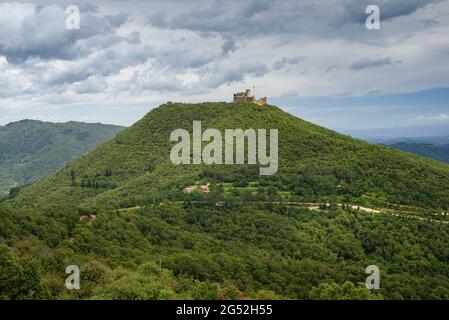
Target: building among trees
{"points": [[197, 187]]}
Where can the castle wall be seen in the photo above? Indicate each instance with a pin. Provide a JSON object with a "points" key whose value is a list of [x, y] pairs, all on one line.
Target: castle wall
{"points": [[246, 98]]}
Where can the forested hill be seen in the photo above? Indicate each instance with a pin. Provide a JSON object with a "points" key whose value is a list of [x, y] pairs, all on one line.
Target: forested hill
{"points": [[31, 149], [120, 214], [315, 164]]}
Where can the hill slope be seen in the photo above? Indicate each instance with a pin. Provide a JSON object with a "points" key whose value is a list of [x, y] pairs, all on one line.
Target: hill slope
{"points": [[31, 149], [315, 164]]}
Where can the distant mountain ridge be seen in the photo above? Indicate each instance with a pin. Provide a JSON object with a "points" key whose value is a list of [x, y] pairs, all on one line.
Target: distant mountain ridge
{"points": [[437, 140], [426, 141], [32, 149], [438, 152], [410, 132]]}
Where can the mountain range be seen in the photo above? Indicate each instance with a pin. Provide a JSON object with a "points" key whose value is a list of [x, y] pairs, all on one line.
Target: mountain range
{"points": [[426, 141], [437, 151], [420, 132]]}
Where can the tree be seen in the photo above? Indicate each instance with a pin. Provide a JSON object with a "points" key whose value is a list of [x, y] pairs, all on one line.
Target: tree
{"points": [[73, 177], [20, 278], [346, 291], [14, 192], [150, 166]]}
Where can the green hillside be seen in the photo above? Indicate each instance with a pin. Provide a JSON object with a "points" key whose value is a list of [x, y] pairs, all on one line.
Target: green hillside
{"points": [[31, 149], [315, 164], [307, 232]]}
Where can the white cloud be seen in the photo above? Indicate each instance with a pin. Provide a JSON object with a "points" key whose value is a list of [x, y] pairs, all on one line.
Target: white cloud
{"points": [[434, 118]]}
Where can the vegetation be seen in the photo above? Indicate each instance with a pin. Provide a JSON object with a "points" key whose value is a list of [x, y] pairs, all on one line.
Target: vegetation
{"points": [[434, 151], [30, 149], [209, 252], [141, 237]]}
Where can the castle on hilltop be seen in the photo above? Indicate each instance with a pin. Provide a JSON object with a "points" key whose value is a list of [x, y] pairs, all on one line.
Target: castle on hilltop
{"points": [[248, 98]]}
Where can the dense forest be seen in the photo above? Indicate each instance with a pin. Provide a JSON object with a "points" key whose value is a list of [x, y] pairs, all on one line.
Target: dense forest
{"points": [[121, 215], [172, 251]]}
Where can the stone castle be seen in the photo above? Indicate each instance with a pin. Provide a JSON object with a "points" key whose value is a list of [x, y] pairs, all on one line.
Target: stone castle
{"points": [[248, 98]]}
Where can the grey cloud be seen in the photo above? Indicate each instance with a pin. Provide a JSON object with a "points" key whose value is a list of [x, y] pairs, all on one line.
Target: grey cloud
{"points": [[302, 19], [134, 38], [227, 18], [104, 63], [397, 8], [430, 22], [256, 7], [40, 31], [93, 84], [183, 57], [166, 63], [117, 20], [332, 68], [228, 46], [354, 10], [279, 64], [234, 73], [367, 63], [151, 79]]}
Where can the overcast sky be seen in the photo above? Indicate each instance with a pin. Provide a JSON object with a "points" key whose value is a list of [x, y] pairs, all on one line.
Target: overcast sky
{"points": [[315, 59]]}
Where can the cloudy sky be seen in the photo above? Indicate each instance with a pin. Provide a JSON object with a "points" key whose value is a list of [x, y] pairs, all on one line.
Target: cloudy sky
{"points": [[315, 59]]}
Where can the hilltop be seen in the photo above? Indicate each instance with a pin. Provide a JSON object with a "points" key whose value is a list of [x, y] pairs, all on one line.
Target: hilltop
{"points": [[31, 149], [315, 164]]}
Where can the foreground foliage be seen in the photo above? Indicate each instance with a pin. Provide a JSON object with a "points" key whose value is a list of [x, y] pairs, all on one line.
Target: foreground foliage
{"points": [[210, 252]]}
